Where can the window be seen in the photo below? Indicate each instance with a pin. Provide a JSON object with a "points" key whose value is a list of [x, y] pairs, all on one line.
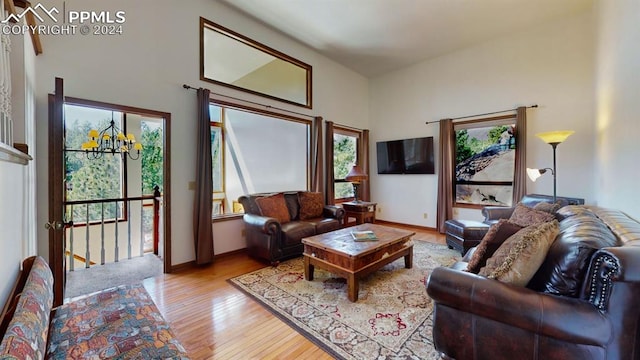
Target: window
{"points": [[485, 161], [217, 151], [151, 158], [346, 145], [254, 151]]}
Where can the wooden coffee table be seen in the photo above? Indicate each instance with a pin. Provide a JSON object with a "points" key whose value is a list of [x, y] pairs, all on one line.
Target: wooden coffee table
{"points": [[339, 254]]}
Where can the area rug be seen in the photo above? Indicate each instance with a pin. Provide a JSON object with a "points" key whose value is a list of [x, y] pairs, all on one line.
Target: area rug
{"points": [[392, 318]]}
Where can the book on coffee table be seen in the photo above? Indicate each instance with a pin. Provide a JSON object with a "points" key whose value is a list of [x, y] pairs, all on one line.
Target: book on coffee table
{"points": [[366, 235]]}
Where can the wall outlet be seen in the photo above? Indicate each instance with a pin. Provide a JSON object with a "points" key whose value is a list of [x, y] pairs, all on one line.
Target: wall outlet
{"points": [[191, 185], [425, 215], [379, 209], [243, 232]]}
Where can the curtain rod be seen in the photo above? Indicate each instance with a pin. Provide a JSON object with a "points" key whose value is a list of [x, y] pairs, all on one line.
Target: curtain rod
{"points": [[489, 113], [250, 102], [347, 127]]}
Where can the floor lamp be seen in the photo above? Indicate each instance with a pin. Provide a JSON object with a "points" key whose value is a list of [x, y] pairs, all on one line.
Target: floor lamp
{"points": [[355, 176], [552, 138]]}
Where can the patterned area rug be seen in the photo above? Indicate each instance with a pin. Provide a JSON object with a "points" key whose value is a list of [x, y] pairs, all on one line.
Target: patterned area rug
{"points": [[390, 320]]}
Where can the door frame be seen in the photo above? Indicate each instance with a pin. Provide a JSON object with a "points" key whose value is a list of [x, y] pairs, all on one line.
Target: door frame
{"points": [[56, 192], [56, 175]]}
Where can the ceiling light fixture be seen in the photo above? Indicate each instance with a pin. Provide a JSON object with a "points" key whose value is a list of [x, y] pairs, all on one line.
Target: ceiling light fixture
{"points": [[113, 141]]}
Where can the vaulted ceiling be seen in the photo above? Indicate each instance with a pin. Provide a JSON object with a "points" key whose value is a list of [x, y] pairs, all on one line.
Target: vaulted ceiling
{"points": [[373, 37]]}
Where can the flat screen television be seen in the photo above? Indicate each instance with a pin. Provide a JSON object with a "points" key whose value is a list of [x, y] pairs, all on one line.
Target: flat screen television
{"points": [[407, 156]]}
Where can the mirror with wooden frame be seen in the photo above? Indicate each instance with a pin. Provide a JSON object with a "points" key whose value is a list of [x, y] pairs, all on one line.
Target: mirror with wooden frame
{"points": [[230, 59]]}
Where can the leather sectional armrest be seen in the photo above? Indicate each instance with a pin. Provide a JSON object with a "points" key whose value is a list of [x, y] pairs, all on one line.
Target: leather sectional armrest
{"points": [[263, 224], [610, 266], [519, 307], [494, 213], [333, 211]]}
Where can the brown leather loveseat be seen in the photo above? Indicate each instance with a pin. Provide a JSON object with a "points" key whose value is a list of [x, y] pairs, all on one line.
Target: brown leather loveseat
{"points": [[275, 223], [582, 303]]}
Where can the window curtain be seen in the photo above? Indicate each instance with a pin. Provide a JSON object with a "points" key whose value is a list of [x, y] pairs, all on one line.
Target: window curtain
{"points": [[365, 188], [520, 167], [316, 150], [328, 153], [445, 174], [202, 225]]}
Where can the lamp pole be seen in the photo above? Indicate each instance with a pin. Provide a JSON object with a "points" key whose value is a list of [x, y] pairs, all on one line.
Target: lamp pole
{"points": [[554, 145]]}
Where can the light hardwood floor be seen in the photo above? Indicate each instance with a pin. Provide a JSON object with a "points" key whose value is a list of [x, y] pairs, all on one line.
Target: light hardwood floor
{"points": [[213, 319]]}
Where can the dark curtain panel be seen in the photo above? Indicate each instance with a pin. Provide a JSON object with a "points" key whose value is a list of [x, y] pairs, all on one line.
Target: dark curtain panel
{"points": [[202, 231], [316, 151], [520, 168], [445, 174], [328, 154], [365, 188]]}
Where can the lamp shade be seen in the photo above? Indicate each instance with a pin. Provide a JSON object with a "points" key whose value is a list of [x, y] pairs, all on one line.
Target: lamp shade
{"points": [[534, 174], [555, 137], [356, 174]]}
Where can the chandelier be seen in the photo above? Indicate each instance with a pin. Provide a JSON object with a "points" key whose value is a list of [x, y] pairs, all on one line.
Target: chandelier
{"points": [[111, 140]]}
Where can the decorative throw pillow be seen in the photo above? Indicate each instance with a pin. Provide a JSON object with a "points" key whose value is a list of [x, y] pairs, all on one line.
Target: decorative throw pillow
{"points": [[311, 205], [274, 206], [525, 216], [491, 241], [520, 256], [547, 207]]}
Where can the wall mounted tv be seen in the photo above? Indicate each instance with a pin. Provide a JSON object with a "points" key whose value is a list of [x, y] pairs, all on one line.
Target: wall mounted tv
{"points": [[407, 156]]}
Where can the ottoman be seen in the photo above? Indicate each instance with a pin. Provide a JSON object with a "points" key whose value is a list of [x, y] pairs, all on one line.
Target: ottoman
{"points": [[462, 235]]}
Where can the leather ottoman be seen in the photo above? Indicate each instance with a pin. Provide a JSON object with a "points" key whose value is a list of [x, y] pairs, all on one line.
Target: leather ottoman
{"points": [[462, 235]]}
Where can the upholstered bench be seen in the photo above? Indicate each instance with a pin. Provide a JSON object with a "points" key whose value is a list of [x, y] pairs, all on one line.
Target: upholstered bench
{"points": [[121, 322], [462, 235]]}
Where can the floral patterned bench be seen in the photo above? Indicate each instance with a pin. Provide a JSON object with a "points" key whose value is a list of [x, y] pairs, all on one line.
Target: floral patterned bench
{"points": [[121, 322]]}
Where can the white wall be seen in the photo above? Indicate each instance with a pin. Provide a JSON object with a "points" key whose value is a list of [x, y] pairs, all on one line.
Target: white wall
{"points": [[17, 182], [550, 65], [12, 236], [146, 67], [618, 110]]}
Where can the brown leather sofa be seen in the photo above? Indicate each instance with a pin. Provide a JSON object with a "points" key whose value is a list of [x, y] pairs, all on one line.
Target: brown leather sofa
{"points": [[273, 240], [581, 304]]}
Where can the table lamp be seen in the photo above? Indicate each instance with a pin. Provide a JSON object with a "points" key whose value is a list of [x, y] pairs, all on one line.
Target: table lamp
{"points": [[355, 177]]}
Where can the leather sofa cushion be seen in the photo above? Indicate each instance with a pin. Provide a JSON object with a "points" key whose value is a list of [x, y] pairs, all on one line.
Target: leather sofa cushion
{"points": [[294, 231], [519, 257], [324, 225], [563, 271], [291, 198], [311, 204], [274, 206], [572, 210]]}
